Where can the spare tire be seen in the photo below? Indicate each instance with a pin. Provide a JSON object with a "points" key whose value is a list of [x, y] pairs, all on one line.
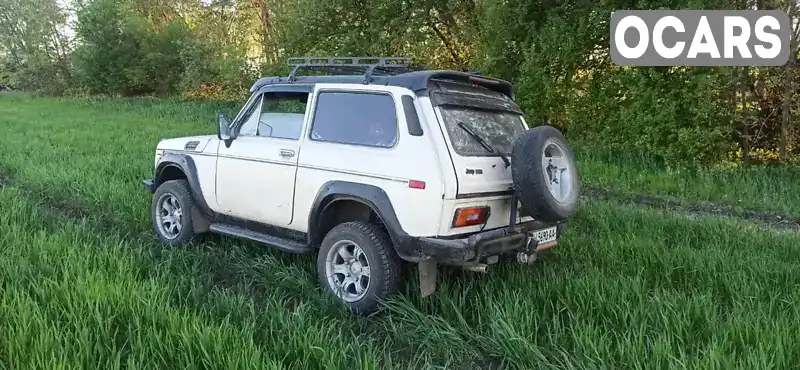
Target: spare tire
{"points": [[545, 174]]}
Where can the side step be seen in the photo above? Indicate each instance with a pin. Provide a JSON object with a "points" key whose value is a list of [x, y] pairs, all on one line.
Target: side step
{"points": [[283, 244]]}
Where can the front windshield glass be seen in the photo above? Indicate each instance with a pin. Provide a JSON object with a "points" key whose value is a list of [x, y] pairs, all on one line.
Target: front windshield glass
{"points": [[497, 128]]}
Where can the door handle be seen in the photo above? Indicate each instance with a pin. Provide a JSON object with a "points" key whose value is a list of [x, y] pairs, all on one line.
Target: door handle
{"points": [[287, 153]]}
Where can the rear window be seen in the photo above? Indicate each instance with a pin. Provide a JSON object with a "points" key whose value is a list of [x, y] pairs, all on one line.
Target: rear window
{"points": [[497, 128]]}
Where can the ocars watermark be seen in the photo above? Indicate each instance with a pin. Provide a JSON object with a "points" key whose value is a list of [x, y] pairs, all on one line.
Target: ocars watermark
{"points": [[700, 38]]}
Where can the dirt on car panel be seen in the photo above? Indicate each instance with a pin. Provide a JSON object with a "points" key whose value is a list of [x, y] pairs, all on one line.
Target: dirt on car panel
{"points": [[772, 219]]}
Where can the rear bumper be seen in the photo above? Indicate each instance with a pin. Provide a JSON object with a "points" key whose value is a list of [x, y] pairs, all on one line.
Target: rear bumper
{"points": [[473, 249]]}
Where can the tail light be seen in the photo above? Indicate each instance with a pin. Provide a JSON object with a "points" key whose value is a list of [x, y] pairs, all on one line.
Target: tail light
{"points": [[470, 216]]}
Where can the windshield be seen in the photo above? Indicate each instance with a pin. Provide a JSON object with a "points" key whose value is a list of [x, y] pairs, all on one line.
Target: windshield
{"points": [[499, 129]]}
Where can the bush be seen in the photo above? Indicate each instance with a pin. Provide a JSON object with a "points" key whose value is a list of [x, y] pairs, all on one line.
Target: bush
{"points": [[124, 52], [682, 116]]}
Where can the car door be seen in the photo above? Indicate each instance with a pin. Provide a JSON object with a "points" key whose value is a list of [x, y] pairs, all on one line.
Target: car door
{"points": [[256, 173]]}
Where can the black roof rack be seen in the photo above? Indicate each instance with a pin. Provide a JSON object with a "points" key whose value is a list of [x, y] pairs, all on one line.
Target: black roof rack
{"points": [[393, 71], [367, 66]]}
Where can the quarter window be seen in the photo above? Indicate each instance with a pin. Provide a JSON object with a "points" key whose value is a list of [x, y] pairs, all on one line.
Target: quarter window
{"points": [[367, 119]]}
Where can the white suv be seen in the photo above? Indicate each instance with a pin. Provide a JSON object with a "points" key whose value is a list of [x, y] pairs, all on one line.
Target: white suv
{"points": [[369, 166]]}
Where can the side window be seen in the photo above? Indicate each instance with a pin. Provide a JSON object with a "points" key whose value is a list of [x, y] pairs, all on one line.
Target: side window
{"points": [[367, 119], [278, 115]]}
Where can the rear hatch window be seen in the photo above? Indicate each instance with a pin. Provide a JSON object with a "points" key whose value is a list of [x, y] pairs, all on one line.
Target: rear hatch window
{"points": [[497, 128]]}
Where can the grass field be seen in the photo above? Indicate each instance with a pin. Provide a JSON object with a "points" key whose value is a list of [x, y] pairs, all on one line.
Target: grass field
{"points": [[84, 284]]}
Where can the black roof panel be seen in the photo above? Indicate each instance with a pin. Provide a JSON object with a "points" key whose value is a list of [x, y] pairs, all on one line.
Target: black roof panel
{"points": [[416, 81]]}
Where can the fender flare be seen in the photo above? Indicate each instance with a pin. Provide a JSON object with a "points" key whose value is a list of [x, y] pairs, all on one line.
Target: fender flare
{"points": [[185, 164], [371, 196]]}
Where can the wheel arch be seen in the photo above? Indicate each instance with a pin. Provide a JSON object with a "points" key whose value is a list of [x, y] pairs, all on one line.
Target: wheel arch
{"points": [[175, 166], [170, 164], [356, 198], [168, 171]]}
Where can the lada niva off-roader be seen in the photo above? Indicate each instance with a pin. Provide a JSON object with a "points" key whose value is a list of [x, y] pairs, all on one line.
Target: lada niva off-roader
{"points": [[369, 166]]}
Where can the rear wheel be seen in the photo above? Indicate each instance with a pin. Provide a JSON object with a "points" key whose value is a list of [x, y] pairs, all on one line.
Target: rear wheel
{"points": [[545, 174], [356, 262]]}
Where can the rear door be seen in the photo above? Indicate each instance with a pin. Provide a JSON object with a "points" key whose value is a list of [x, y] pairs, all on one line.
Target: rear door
{"points": [[483, 179], [489, 115]]}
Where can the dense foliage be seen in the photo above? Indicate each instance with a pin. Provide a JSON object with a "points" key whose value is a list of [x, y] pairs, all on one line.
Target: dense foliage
{"points": [[556, 53]]}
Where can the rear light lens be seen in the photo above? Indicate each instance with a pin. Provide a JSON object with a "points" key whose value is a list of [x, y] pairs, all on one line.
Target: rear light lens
{"points": [[416, 184], [470, 216]]}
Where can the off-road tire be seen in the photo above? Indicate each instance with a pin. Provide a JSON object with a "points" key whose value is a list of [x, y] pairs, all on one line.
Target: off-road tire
{"points": [[180, 190], [385, 265], [530, 182]]}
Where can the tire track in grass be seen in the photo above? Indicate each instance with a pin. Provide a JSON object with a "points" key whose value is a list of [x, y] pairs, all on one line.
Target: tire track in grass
{"points": [[58, 207], [5, 177], [695, 210], [213, 311], [226, 275]]}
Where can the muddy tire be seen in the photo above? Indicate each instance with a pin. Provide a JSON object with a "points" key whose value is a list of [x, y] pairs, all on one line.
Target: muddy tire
{"points": [[545, 174], [358, 265]]}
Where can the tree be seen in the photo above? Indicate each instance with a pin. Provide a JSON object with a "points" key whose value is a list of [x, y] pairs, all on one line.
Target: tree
{"points": [[34, 40]]}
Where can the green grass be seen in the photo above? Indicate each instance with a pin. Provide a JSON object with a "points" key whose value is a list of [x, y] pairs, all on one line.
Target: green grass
{"points": [[773, 188], [94, 154], [84, 284]]}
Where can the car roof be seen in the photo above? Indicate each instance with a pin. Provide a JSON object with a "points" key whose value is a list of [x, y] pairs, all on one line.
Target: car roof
{"points": [[416, 81]]}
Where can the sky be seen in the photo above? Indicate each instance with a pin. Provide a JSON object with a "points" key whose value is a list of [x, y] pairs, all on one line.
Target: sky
{"points": [[67, 5]]}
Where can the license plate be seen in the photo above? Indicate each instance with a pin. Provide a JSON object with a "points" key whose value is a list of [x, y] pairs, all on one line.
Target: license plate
{"points": [[544, 235]]}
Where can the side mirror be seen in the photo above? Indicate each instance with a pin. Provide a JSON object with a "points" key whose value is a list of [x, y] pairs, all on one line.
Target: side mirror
{"points": [[224, 129]]}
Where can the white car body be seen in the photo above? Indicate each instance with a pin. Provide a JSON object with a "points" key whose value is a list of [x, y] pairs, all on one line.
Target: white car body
{"points": [[370, 172], [235, 180]]}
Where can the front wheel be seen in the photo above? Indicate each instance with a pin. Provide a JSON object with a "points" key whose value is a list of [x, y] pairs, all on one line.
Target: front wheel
{"points": [[171, 212], [357, 263]]}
